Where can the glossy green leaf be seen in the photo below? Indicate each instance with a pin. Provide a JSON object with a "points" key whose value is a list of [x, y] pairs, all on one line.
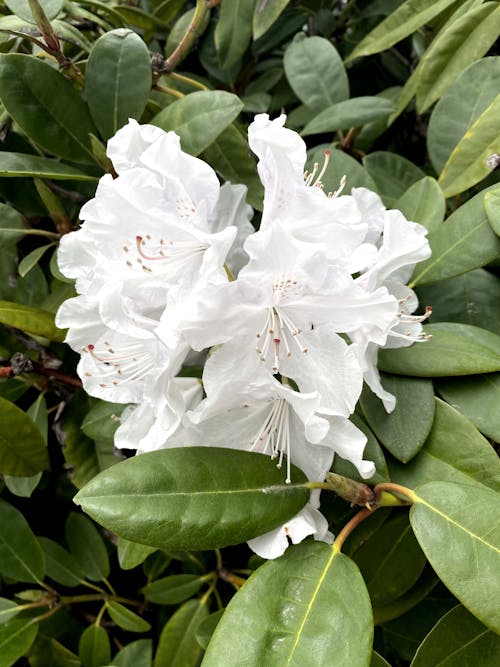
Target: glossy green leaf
{"points": [[32, 259], [460, 107], [455, 451], [48, 651], [459, 44], [492, 208], [178, 646], [16, 637], [393, 174], [101, 421], [316, 72], [12, 227], [267, 13], [471, 298], [310, 602], [405, 603], [131, 554], [173, 589], [340, 165], [424, 203], [46, 106], [8, 610], [207, 628], [61, 566], [34, 321], [391, 561], [233, 31], [193, 498], [22, 449], [22, 9], [477, 398], [350, 113], [458, 639], [135, 654], [454, 349], [126, 619], [22, 164], [199, 118], [21, 557], [117, 80], [87, 547], [94, 647], [404, 430], [457, 528], [228, 154], [407, 18]]}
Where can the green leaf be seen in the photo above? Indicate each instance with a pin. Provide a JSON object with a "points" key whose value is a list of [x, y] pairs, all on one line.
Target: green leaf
{"points": [[135, 654], [8, 610], [471, 298], [46, 107], [193, 497], [21, 557], [233, 31], [492, 208], [462, 636], [22, 9], [207, 628], [22, 449], [267, 13], [16, 637], [87, 547], [390, 561], [178, 646], [350, 113], [131, 554], [22, 486], [393, 174], [457, 528], [310, 602], [127, 619], [316, 72], [228, 154], [424, 203], [173, 589], [199, 118], [404, 604], [34, 321], [404, 430], [407, 18], [459, 44], [62, 567], [460, 107], [455, 451], [477, 398], [378, 661], [48, 651], [99, 422], [94, 647], [32, 259], [22, 164], [454, 349], [340, 165], [117, 80], [12, 227]]}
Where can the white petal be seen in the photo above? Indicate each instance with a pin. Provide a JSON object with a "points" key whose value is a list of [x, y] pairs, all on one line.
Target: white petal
{"points": [[130, 142], [349, 443]]}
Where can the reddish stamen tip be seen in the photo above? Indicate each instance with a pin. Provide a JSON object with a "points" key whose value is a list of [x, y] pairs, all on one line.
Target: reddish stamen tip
{"points": [[138, 239], [328, 152], [428, 310], [277, 340], [90, 347]]}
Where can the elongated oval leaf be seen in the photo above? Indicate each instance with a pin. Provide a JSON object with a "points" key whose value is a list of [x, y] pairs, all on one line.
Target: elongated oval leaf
{"points": [[178, 645], [61, 565], [462, 636], [424, 203], [454, 349], [46, 107], [21, 556], [30, 320], [455, 451], [492, 208], [199, 118], [87, 547], [117, 80], [22, 448], [131, 554], [127, 619], [308, 607], [316, 72], [193, 498], [266, 13], [393, 174], [340, 165], [22, 9], [21, 164], [16, 637], [8, 610], [233, 31], [403, 431], [350, 113], [173, 589], [94, 647], [135, 654], [457, 527]]}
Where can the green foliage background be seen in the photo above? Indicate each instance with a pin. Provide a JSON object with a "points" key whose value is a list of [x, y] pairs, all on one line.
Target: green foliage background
{"points": [[406, 95]]}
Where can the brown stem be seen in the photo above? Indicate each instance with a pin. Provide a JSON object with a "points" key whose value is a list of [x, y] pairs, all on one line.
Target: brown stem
{"points": [[349, 527], [407, 494], [52, 374]]}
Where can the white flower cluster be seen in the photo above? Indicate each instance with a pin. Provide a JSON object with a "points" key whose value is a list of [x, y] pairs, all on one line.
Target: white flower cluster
{"points": [[166, 262]]}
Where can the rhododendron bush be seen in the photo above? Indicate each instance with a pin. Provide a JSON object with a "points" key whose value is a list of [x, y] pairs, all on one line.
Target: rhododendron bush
{"points": [[250, 333]]}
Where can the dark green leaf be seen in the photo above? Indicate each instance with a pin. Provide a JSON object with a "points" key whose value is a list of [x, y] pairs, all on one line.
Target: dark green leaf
{"points": [[207, 628], [267, 13], [48, 651], [199, 118], [393, 174], [340, 165], [173, 589], [34, 321], [193, 497], [22, 449], [21, 557], [135, 654], [127, 619], [310, 602], [178, 646], [87, 547], [117, 80], [492, 208], [424, 203], [11, 223], [233, 31], [32, 259], [405, 603], [131, 554], [350, 113], [404, 430], [457, 527], [101, 420], [454, 349], [378, 661], [22, 9], [94, 647], [46, 107], [61, 565], [16, 638]]}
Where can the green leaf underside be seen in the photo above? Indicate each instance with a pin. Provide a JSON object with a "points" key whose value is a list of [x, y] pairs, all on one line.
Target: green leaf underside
{"points": [[454, 349], [193, 497], [308, 607], [22, 448], [458, 530]]}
